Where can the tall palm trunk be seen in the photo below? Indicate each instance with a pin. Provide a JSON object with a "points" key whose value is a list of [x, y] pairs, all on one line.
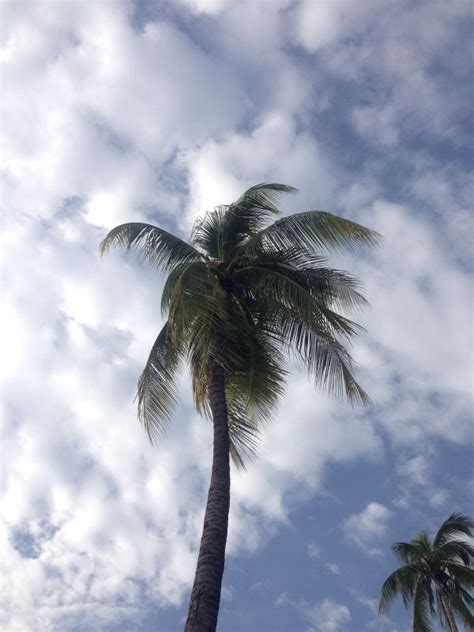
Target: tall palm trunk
{"points": [[205, 595]]}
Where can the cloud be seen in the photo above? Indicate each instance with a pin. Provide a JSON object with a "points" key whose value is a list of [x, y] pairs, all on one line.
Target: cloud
{"points": [[368, 528], [323, 616], [314, 551], [333, 568]]}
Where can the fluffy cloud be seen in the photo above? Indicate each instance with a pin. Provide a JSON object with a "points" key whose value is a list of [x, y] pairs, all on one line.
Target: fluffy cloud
{"points": [[367, 528]]}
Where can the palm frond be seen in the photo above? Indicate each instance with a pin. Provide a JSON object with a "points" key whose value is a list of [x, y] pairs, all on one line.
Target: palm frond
{"points": [[187, 290], [225, 228], [457, 551], [423, 607], [158, 247], [464, 575], [422, 542], [157, 393], [460, 607], [405, 551], [342, 290], [401, 582], [314, 230], [250, 213], [288, 288], [455, 526], [207, 232], [243, 433], [325, 358]]}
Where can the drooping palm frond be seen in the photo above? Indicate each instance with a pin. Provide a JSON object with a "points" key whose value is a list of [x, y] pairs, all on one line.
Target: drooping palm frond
{"points": [[243, 432], [401, 582], [314, 230], [289, 288], [157, 393], [457, 551], [459, 602], [158, 247], [464, 575], [423, 607], [405, 551], [342, 290], [327, 361], [455, 526]]}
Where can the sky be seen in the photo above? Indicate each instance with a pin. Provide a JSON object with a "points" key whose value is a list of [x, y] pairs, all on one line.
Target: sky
{"points": [[157, 111]]}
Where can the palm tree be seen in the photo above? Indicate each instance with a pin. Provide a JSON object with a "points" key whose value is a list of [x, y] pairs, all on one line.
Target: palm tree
{"points": [[238, 298], [436, 576]]}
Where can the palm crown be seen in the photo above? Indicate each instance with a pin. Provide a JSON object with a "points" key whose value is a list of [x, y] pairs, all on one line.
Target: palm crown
{"points": [[242, 295], [436, 576]]}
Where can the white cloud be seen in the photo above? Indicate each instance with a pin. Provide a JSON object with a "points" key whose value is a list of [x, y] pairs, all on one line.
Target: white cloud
{"points": [[328, 616], [275, 151], [368, 528], [333, 568], [323, 616]]}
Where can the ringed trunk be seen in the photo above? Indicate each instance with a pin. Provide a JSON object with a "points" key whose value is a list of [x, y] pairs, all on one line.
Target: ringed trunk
{"points": [[206, 592]]}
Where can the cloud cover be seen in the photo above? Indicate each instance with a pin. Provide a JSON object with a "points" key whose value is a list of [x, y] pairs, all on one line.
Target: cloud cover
{"points": [[120, 112]]}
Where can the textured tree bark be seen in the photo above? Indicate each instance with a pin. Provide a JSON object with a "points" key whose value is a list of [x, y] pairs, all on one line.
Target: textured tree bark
{"points": [[206, 592]]}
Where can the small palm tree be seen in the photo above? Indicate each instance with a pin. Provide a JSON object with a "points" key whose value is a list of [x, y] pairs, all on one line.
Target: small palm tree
{"points": [[436, 576], [238, 298]]}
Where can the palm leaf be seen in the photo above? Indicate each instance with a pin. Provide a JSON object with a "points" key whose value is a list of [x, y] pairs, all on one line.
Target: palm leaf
{"points": [[158, 247], [314, 230], [423, 607], [462, 574], [462, 610], [457, 551], [288, 288], [401, 582], [456, 525], [207, 232], [422, 543], [157, 393], [222, 230], [243, 433], [405, 551], [250, 213]]}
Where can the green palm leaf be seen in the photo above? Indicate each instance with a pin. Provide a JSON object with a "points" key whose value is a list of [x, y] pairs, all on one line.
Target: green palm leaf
{"points": [[457, 552], [157, 393], [401, 582], [459, 606], [405, 551], [158, 247], [423, 607], [456, 525], [225, 228], [462, 574], [314, 230]]}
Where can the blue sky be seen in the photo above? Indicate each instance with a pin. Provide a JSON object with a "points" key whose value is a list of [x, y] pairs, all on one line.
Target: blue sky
{"points": [[157, 111]]}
